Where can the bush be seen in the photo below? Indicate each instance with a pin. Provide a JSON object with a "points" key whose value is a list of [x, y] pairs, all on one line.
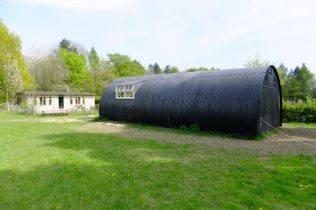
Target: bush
{"points": [[97, 99], [299, 112]]}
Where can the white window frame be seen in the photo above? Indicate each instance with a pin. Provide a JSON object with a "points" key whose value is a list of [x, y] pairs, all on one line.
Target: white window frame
{"points": [[126, 90]]}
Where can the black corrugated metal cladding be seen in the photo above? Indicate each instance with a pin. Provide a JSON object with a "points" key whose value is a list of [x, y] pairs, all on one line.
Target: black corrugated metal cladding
{"points": [[244, 101]]}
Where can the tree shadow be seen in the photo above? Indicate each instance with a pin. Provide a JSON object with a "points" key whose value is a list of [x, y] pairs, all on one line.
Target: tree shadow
{"points": [[117, 174], [112, 148], [69, 186]]}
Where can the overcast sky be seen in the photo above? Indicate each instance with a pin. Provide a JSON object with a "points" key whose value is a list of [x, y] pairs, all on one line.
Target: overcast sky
{"points": [[185, 33]]}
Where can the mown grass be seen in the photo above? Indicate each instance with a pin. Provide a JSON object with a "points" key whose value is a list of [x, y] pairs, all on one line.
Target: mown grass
{"points": [[53, 166]]}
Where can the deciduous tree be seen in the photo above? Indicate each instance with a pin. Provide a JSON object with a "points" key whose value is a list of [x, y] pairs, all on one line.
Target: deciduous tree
{"points": [[48, 72], [11, 59], [124, 66], [79, 76]]}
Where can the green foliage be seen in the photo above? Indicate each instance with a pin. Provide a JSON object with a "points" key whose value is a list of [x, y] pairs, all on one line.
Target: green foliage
{"points": [[79, 75], [104, 76], [256, 62], [298, 84], [299, 112], [282, 72], [48, 73], [168, 69], [94, 58], [174, 69], [97, 99], [155, 69], [124, 66], [10, 54], [197, 69], [67, 45]]}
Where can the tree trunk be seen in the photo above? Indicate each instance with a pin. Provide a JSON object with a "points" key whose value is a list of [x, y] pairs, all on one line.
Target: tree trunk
{"points": [[8, 107]]}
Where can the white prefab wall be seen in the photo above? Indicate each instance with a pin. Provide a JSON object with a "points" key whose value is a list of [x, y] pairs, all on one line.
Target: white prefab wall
{"points": [[51, 104]]}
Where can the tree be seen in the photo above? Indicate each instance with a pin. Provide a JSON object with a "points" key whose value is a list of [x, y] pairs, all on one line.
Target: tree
{"points": [[94, 62], [105, 75], [11, 59], [157, 69], [79, 76], [256, 62], [282, 72], [124, 66], [167, 69], [174, 69], [299, 84], [48, 72], [151, 69], [314, 88], [13, 80], [197, 69], [93, 58], [67, 45]]}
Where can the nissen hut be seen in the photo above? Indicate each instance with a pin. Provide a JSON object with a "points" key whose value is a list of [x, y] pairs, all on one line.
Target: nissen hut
{"points": [[244, 101]]}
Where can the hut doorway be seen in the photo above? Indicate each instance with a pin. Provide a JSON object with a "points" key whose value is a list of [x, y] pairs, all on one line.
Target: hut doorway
{"points": [[61, 102]]}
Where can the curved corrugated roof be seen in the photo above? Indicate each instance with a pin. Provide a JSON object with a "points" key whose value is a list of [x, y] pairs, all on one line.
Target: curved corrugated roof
{"points": [[227, 100]]}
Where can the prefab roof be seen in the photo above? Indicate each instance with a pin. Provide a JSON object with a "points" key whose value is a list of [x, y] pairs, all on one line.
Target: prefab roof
{"points": [[57, 93]]}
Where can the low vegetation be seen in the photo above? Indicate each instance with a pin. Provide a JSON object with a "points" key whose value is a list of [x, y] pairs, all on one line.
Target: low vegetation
{"points": [[50, 165], [299, 112]]}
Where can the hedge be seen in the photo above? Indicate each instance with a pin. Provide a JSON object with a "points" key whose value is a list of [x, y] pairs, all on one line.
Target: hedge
{"points": [[299, 112]]}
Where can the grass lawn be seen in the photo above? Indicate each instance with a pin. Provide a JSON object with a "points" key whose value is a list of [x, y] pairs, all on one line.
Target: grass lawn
{"points": [[50, 165]]}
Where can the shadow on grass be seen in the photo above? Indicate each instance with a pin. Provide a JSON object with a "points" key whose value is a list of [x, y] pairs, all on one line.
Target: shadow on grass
{"points": [[69, 186], [195, 131], [117, 173], [113, 173]]}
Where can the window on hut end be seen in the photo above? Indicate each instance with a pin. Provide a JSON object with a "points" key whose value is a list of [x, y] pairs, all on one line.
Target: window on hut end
{"points": [[127, 91]]}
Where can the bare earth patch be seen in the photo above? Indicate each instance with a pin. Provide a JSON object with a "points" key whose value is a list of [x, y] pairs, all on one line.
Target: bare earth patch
{"points": [[292, 140]]}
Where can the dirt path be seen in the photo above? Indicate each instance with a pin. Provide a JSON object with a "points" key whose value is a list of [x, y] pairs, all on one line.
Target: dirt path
{"points": [[296, 141]]}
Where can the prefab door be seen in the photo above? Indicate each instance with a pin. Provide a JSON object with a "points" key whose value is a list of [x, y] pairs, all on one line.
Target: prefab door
{"points": [[61, 102]]}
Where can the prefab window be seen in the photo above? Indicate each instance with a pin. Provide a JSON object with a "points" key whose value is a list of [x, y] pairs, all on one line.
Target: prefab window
{"points": [[42, 101], [126, 91], [83, 100], [70, 101], [34, 101], [50, 101]]}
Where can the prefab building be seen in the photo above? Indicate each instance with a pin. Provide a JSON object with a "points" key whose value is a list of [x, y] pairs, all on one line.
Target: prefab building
{"points": [[244, 101], [40, 102]]}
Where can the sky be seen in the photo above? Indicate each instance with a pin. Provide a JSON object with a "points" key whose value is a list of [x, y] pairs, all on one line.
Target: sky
{"points": [[184, 33]]}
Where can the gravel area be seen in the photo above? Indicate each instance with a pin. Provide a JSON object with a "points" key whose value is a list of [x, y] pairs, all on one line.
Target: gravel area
{"points": [[292, 140]]}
